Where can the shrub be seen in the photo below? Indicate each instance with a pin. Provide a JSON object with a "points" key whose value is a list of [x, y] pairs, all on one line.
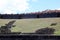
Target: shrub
{"points": [[45, 31]]}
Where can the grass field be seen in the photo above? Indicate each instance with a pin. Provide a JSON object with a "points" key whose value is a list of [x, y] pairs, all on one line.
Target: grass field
{"points": [[30, 25]]}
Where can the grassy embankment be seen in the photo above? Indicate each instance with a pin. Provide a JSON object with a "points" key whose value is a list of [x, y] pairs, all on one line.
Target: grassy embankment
{"points": [[30, 25]]}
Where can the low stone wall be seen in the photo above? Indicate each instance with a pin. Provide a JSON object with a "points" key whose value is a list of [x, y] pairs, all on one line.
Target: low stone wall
{"points": [[29, 37]]}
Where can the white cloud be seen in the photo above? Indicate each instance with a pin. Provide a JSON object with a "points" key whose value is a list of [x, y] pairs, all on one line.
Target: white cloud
{"points": [[13, 6], [34, 0], [58, 9]]}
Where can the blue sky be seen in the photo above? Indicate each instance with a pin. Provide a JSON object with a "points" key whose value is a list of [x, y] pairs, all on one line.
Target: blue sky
{"points": [[24, 6], [41, 5]]}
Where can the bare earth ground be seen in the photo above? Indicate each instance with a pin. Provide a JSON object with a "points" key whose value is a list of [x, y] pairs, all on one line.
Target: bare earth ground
{"points": [[30, 25]]}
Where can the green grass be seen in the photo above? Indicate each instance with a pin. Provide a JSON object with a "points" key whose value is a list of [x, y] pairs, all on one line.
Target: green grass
{"points": [[30, 25]]}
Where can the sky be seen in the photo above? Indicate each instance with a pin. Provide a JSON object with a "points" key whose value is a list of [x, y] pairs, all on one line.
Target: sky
{"points": [[27, 6]]}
